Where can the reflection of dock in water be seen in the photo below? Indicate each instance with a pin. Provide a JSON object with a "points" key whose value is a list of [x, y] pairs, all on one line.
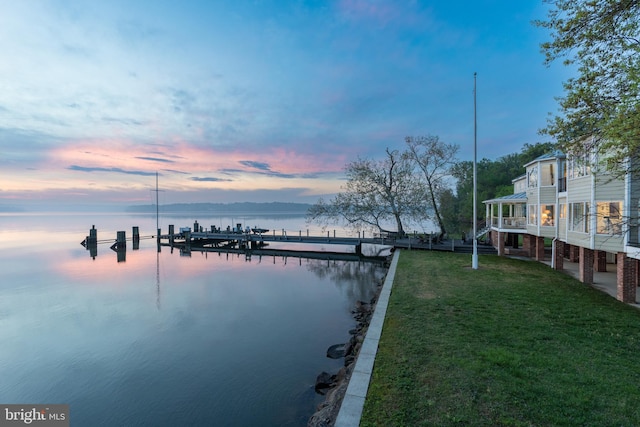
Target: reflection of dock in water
{"points": [[251, 254]]}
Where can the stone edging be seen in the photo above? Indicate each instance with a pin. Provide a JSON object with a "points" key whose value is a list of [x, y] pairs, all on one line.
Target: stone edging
{"points": [[353, 401], [353, 378]]}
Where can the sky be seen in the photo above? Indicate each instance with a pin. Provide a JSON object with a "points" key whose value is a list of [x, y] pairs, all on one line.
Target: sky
{"points": [[232, 101]]}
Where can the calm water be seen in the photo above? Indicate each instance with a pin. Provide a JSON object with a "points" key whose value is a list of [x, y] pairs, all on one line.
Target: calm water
{"points": [[163, 339]]}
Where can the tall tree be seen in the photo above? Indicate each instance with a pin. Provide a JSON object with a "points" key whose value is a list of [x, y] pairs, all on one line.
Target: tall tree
{"points": [[494, 179], [434, 159], [600, 109], [376, 192]]}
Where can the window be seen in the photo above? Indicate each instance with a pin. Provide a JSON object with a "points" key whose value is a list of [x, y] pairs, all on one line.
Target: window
{"points": [[562, 178], [579, 217], [562, 211], [609, 218], [546, 217], [532, 177], [578, 166], [532, 220]]}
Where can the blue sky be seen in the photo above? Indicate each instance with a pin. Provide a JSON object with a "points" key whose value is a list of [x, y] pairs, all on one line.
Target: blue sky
{"points": [[253, 101]]}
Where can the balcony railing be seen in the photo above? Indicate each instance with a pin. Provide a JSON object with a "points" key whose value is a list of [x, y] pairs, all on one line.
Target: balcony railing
{"points": [[562, 184], [512, 222]]}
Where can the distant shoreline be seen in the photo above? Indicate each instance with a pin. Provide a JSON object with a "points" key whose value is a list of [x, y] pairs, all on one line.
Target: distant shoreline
{"points": [[225, 208]]}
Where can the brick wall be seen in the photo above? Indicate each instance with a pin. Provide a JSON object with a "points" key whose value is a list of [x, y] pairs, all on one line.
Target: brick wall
{"points": [[600, 261], [586, 265], [559, 255], [539, 248], [626, 278]]}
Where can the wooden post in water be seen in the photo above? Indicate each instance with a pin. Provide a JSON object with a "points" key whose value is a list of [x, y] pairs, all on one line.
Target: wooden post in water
{"points": [[120, 246], [91, 242], [121, 240], [93, 236], [187, 239], [171, 231], [136, 237]]}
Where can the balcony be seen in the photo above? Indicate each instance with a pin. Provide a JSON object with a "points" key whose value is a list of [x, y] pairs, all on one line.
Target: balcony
{"points": [[562, 184], [512, 223]]}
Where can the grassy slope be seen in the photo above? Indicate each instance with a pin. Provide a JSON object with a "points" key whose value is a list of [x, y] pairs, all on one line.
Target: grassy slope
{"points": [[513, 343]]}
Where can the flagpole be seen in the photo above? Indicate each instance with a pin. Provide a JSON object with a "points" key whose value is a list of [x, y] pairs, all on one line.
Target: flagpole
{"points": [[474, 257]]}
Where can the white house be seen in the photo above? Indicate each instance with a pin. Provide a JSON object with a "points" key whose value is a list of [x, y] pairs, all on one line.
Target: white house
{"points": [[588, 213]]}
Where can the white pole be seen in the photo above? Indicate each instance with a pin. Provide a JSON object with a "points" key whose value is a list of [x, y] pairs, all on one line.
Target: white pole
{"points": [[474, 257]]}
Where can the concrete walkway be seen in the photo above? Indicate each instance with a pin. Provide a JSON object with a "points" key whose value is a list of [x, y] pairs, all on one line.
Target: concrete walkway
{"points": [[606, 282], [353, 401]]}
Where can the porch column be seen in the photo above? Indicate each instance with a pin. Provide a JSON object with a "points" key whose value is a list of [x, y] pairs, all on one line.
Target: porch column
{"points": [[500, 216], [626, 275], [488, 210], [526, 244], [600, 261], [559, 255], [500, 244], [586, 265], [574, 253], [539, 248]]}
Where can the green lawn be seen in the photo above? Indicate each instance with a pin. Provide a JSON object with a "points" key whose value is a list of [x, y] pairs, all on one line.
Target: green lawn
{"points": [[513, 343]]}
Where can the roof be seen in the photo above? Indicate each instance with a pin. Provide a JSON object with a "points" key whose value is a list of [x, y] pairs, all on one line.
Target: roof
{"points": [[517, 197], [557, 154]]}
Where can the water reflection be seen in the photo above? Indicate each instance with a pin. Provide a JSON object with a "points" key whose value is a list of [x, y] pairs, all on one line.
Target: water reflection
{"points": [[210, 339]]}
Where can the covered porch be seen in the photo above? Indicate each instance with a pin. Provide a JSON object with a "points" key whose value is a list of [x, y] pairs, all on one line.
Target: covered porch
{"points": [[506, 220]]}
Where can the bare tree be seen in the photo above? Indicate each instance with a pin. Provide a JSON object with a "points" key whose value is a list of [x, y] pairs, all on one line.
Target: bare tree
{"points": [[434, 159], [375, 192]]}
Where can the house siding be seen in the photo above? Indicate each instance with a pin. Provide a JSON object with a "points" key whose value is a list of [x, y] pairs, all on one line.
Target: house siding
{"points": [[607, 189], [609, 243], [579, 189]]}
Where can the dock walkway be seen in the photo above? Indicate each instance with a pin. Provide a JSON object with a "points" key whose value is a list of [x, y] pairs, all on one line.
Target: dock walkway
{"points": [[257, 240]]}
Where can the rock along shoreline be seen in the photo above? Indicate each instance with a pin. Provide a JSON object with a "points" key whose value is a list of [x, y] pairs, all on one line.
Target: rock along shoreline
{"points": [[334, 387]]}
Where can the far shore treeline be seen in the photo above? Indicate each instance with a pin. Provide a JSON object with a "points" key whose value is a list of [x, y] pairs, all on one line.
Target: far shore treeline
{"points": [[225, 208]]}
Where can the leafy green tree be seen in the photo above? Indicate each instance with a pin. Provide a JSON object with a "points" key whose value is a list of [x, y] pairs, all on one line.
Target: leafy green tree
{"points": [[600, 108], [494, 179]]}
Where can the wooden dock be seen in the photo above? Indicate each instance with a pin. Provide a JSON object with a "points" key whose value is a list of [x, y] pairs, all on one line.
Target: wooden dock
{"points": [[246, 240], [258, 240], [249, 240]]}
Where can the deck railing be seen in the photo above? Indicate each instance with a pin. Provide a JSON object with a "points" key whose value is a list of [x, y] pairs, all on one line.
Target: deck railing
{"points": [[513, 222]]}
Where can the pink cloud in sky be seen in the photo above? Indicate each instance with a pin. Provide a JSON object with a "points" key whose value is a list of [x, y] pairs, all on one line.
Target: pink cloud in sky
{"points": [[188, 158]]}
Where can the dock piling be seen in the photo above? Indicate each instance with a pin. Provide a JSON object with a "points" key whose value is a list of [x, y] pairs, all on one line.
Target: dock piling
{"points": [[93, 236], [136, 238]]}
